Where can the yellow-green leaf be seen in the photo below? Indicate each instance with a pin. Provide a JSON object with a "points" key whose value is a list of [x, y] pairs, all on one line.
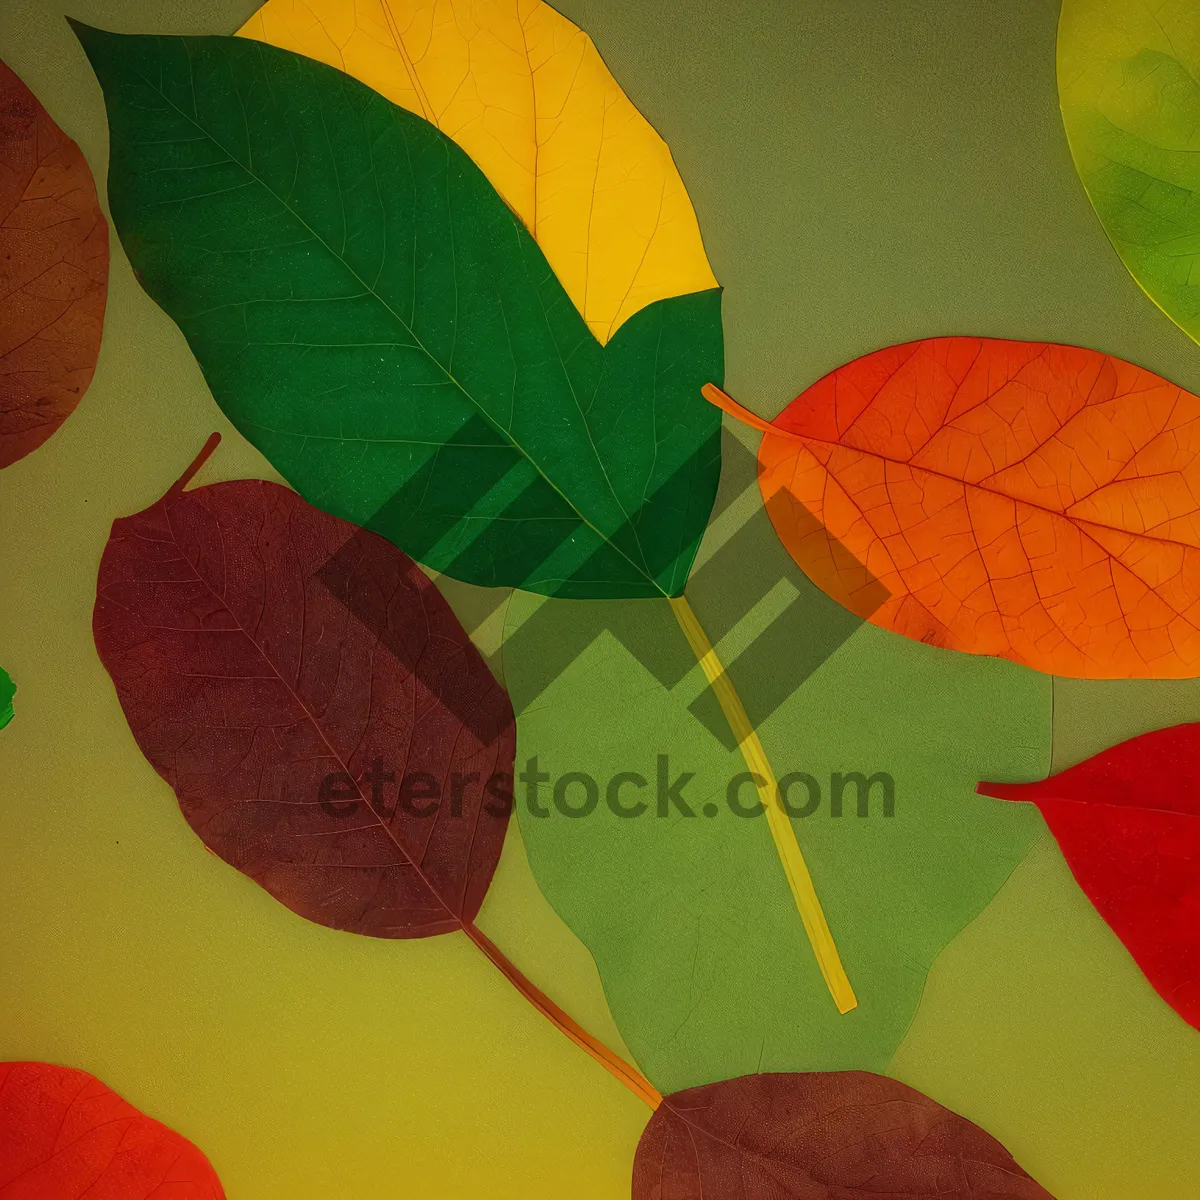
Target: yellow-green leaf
{"points": [[1129, 85]]}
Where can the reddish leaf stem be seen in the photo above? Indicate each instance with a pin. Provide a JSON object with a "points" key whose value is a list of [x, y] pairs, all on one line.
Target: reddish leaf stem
{"points": [[205, 454], [739, 412], [628, 1075]]}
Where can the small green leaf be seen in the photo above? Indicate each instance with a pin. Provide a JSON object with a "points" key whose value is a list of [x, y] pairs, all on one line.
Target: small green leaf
{"points": [[8, 690], [1129, 86], [373, 317]]}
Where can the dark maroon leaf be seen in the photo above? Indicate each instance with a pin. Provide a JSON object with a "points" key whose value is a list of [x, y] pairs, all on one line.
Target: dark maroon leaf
{"points": [[841, 1135], [289, 727]]}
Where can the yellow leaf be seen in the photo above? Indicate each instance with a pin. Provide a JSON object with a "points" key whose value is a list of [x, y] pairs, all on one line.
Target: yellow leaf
{"points": [[528, 97]]}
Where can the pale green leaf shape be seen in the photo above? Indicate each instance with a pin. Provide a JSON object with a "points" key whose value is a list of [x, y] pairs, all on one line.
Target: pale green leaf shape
{"points": [[690, 919], [1129, 86]]}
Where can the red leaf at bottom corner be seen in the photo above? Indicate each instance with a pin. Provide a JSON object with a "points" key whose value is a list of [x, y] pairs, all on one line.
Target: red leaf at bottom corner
{"points": [[64, 1135], [829, 1135], [1128, 823]]}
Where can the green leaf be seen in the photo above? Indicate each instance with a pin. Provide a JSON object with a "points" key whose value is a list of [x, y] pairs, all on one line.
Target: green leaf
{"points": [[372, 316], [690, 918], [8, 690], [1129, 85]]}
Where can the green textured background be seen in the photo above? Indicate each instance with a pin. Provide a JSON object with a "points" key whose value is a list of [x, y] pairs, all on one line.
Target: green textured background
{"points": [[865, 172]]}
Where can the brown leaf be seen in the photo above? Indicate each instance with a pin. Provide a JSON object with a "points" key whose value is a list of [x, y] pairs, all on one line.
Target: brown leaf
{"points": [[287, 703], [839, 1135], [53, 272]]}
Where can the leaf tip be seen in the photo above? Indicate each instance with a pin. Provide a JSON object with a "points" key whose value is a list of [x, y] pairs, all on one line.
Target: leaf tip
{"points": [[92, 39], [83, 31]]}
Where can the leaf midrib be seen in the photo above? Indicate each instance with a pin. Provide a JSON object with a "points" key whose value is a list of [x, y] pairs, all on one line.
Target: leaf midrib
{"points": [[1080, 524], [310, 716], [1132, 809], [990, 491], [370, 289]]}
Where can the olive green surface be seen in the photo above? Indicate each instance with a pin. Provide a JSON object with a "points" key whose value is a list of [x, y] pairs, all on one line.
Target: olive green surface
{"points": [[865, 172]]}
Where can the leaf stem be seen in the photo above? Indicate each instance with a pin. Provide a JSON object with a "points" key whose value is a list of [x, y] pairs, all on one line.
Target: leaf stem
{"points": [[739, 412], [794, 866], [633, 1079], [612, 1062], [214, 440]]}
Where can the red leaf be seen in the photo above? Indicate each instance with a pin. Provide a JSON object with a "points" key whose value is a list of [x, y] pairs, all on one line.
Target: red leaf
{"points": [[249, 686], [65, 1136], [842, 1135], [1128, 822], [53, 272]]}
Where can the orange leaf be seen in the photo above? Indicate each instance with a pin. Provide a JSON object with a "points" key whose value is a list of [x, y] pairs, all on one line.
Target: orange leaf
{"points": [[1036, 502]]}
